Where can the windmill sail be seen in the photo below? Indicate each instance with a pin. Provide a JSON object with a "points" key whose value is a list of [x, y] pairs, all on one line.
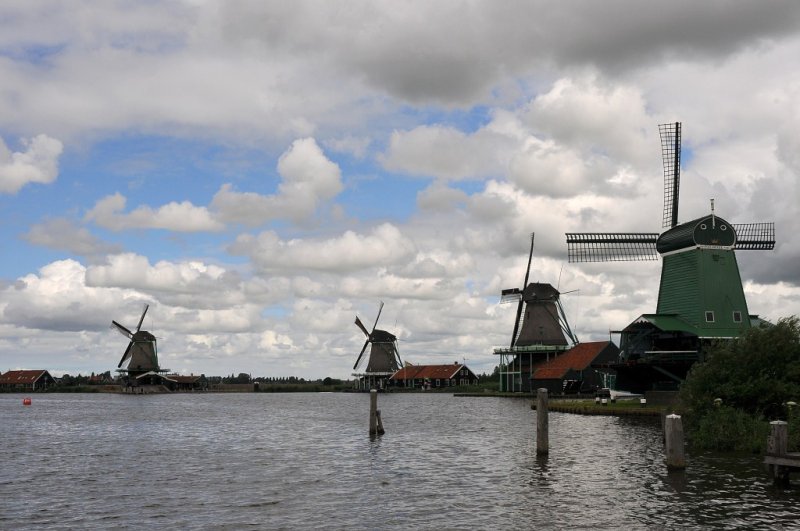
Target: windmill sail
{"points": [[671, 157], [611, 246], [755, 236]]}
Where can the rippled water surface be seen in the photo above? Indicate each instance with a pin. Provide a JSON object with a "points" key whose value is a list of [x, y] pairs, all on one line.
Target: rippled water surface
{"points": [[291, 461]]}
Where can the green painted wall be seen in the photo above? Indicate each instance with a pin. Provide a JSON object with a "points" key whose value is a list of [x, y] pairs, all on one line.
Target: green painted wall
{"points": [[696, 281]]}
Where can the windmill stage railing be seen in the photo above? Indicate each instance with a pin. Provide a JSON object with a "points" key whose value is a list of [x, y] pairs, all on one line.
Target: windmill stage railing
{"points": [[531, 348]]}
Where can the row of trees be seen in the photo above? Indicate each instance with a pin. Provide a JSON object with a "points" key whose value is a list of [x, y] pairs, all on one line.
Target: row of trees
{"points": [[244, 378], [80, 379], [241, 378]]}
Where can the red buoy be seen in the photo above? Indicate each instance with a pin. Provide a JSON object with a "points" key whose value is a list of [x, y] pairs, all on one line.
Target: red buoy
{"points": [[26, 401]]}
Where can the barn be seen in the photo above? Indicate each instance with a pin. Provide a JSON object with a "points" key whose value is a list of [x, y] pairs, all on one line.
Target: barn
{"points": [[433, 376], [34, 380], [572, 370]]}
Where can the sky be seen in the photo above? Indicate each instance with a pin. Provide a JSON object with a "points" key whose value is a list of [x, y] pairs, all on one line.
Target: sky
{"points": [[261, 172]]}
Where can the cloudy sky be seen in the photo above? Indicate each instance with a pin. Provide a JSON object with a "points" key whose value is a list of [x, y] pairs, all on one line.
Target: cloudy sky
{"points": [[262, 172]]}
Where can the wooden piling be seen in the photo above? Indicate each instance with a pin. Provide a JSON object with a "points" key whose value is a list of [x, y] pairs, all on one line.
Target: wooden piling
{"points": [[673, 436], [778, 442], [542, 427], [380, 422], [777, 457], [373, 411]]}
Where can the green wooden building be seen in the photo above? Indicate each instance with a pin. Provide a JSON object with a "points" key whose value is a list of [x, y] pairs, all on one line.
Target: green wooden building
{"points": [[700, 297]]}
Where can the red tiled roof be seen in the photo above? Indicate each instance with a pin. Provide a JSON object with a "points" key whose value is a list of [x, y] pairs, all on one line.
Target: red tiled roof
{"points": [[432, 372], [578, 358], [21, 377], [550, 373]]}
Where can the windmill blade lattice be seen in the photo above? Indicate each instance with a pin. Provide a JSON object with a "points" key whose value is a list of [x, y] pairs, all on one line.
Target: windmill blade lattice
{"points": [[671, 157], [380, 309], [141, 320], [755, 236], [122, 330], [611, 247]]}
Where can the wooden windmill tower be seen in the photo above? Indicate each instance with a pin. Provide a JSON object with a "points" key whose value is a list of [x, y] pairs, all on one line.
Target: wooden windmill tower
{"points": [[384, 357], [700, 295], [541, 331], [141, 355]]}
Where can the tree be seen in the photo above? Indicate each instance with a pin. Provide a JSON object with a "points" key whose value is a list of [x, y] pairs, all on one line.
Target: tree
{"points": [[756, 373]]}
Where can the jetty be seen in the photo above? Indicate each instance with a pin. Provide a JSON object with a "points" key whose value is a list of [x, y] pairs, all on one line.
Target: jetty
{"points": [[779, 461]]}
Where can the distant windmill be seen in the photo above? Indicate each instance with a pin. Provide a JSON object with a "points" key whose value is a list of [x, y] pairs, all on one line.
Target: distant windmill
{"points": [[142, 353], [700, 294], [541, 331], [384, 357]]}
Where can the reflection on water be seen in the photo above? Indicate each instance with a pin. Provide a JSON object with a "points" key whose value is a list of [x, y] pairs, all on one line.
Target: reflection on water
{"points": [[305, 460]]}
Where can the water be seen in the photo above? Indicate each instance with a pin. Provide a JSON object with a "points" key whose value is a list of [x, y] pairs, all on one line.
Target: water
{"points": [[289, 461]]}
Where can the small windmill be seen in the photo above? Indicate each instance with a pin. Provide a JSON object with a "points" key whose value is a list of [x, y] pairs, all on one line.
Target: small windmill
{"points": [[541, 331], [142, 353], [700, 295], [384, 357]]}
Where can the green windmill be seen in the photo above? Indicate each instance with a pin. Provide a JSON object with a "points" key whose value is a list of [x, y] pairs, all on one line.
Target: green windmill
{"points": [[700, 297]]}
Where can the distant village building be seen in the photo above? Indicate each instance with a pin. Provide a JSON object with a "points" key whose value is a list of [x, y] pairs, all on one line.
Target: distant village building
{"points": [[191, 382], [35, 380], [433, 376], [100, 379], [157, 382], [572, 371]]}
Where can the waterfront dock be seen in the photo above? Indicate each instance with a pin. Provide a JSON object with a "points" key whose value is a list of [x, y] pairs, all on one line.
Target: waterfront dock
{"points": [[778, 460]]}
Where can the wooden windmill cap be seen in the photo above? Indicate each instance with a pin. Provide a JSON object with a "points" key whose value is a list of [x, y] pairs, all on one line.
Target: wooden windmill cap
{"points": [[709, 232]]}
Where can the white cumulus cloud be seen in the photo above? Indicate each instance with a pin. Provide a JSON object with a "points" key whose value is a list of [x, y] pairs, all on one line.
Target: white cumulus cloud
{"points": [[37, 164], [174, 216], [308, 179], [383, 246]]}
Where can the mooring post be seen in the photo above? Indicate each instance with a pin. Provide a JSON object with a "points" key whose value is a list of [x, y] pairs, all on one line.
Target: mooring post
{"points": [[373, 408], [542, 439], [380, 422], [673, 436], [778, 442], [778, 446]]}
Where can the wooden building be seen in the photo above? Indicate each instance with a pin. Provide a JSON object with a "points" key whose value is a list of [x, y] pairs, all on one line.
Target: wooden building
{"points": [[35, 380], [193, 382], [572, 371], [157, 382], [433, 376]]}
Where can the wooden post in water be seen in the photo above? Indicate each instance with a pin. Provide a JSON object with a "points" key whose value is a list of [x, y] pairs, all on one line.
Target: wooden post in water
{"points": [[542, 439], [380, 422], [673, 436], [778, 447], [375, 422], [373, 411]]}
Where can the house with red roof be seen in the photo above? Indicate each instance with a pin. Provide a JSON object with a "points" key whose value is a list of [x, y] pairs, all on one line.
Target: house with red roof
{"points": [[35, 380], [572, 370], [433, 376]]}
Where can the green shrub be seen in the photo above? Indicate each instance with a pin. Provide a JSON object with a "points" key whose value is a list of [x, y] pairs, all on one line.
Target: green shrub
{"points": [[727, 429], [729, 399]]}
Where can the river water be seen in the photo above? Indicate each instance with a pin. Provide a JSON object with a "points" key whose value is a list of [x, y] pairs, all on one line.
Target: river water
{"points": [[300, 461]]}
